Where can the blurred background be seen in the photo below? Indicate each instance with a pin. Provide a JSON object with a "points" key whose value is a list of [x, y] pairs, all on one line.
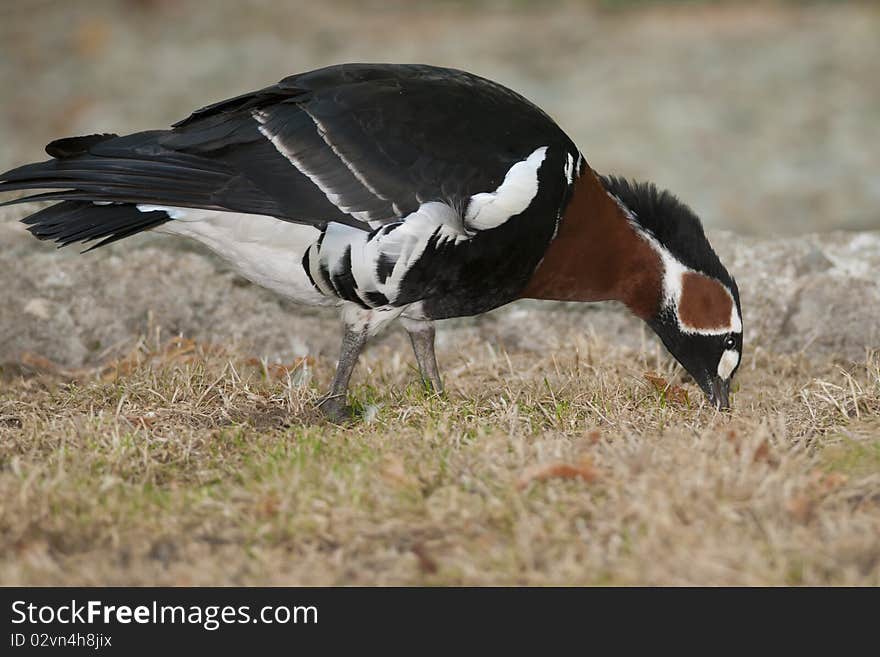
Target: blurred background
{"points": [[764, 116]]}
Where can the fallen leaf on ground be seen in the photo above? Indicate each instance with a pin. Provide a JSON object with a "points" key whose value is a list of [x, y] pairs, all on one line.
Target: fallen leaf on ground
{"points": [[41, 364], [427, 564], [278, 371], [38, 363], [672, 393], [147, 419], [583, 469]]}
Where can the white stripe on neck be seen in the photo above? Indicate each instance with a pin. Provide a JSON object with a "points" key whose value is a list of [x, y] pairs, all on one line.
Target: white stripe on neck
{"points": [[673, 276]]}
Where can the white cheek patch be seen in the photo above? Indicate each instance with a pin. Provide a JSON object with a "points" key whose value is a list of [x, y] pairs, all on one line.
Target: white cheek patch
{"points": [[729, 361]]}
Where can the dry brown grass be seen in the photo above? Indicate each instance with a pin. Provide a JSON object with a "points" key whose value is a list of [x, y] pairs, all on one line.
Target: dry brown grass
{"points": [[191, 464]]}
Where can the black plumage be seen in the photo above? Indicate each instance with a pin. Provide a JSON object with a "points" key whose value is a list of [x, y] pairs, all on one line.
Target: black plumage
{"points": [[411, 133], [82, 221], [343, 280], [70, 146]]}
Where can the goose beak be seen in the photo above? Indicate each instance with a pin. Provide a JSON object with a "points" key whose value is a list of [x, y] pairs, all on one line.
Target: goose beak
{"points": [[719, 393]]}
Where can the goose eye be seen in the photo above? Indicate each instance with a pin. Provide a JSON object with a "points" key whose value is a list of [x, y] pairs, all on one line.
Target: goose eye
{"points": [[729, 342]]}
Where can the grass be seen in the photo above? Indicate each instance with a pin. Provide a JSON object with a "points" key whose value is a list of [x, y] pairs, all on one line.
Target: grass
{"points": [[190, 464]]}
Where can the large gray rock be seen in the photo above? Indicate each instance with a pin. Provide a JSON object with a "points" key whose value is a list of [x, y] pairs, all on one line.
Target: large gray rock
{"points": [[817, 294]]}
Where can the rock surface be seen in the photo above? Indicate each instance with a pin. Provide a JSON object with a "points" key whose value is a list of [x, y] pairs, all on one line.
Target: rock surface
{"points": [[817, 294]]}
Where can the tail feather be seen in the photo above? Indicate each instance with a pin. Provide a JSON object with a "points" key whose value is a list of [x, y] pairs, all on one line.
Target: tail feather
{"points": [[83, 221], [73, 195], [99, 180], [70, 146], [122, 179], [135, 169]]}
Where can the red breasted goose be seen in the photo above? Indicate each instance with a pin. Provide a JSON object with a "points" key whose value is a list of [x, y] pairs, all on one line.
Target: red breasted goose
{"points": [[400, 191]]}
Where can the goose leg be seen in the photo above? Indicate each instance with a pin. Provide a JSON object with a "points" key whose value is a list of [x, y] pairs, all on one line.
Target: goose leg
{"points": [[334, 404], [421, 335]]}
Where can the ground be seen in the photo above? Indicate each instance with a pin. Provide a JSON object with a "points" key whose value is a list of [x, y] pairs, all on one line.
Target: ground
{"points": [[189, 464]]}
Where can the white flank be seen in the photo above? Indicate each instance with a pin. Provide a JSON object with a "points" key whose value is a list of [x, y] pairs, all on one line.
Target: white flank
{"points": [[265, 250], [174, 213], [491, 209], [729, 361], [261, 118]]}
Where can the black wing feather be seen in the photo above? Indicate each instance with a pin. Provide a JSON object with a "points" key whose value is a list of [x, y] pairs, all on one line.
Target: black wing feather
{"points": [[349, 143], [70, 146], [412, 133]]}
